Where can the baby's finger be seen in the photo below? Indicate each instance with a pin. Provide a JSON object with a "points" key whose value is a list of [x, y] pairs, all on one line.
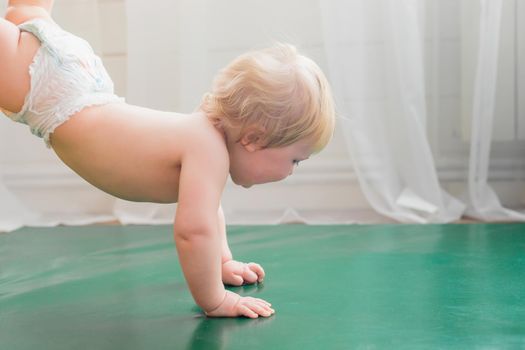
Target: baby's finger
{"points": [[249, 276], [246, 311], [263, 301], [261, 309], [258, 270], [257, 301], [238, 268], [236, 280]]}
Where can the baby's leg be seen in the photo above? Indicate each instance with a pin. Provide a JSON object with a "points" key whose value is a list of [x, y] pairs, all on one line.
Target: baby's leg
{"points": [[16, 53], [17, 50], [20, 11]]}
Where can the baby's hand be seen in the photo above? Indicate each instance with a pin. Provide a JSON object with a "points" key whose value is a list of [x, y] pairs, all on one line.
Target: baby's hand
{"points": [[236, 273], [234, 305]]}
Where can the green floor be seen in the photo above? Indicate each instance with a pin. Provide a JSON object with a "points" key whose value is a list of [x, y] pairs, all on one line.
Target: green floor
{"points": [[333, 287]]}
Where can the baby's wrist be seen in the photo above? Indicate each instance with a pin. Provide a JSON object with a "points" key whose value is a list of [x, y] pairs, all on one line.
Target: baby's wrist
{"points": [[218, 306], [226, 259], [229, 301]]}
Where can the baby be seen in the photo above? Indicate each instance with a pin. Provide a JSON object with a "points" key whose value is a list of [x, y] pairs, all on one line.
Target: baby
{"points": [[267, 111]]}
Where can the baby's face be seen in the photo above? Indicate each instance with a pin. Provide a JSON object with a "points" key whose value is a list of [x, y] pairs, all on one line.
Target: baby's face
{"points": [[248, 168]]}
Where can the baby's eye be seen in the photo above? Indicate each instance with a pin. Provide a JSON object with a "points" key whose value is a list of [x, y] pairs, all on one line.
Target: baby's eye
{"points": [[296, 162]]}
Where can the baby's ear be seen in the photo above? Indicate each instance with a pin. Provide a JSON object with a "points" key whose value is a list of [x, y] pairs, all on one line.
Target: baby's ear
{"points": [[253, 138]]}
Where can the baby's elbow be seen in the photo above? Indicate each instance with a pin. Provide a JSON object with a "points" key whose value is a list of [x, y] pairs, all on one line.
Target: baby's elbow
{"points": [[184, 231]]}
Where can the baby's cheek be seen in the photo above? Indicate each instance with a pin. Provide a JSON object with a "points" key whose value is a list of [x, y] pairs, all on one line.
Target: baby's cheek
{"points": [[235, 177], [237, 174]]}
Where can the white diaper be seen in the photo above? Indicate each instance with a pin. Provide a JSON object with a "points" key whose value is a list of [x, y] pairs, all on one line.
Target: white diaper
{"points": [[66, 76]]}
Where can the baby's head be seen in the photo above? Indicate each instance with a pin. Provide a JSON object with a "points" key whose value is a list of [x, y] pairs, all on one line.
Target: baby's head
{"points": [[271, 101]]}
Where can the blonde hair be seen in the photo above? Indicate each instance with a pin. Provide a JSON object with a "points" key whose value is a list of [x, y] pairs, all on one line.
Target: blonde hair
{"points": [[277, 89]]}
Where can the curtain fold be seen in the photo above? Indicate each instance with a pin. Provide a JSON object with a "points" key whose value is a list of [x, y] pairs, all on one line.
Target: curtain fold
{"points": [[375, 54], [382, 91], [483, 202], [13, 213]]}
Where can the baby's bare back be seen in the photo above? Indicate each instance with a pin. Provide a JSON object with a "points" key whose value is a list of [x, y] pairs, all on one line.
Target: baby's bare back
{"points": [[130, 152]]}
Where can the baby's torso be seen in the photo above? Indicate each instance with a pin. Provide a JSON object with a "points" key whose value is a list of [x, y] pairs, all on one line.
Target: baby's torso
{"points": [[130, 152]]}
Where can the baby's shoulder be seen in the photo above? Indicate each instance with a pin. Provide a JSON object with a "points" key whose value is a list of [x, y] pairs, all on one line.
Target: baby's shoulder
{"points": [[202, 141]]}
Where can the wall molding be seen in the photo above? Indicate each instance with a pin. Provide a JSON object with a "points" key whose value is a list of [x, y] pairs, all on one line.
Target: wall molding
{"points": [[40, 176], [332, 171]]}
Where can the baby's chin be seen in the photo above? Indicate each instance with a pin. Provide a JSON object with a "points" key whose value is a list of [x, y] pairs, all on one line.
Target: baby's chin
{"points": [[245, 185], [239, 183]]}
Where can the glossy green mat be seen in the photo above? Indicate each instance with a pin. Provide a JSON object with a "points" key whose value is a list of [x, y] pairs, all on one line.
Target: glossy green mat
{"points": [[333, 287]]}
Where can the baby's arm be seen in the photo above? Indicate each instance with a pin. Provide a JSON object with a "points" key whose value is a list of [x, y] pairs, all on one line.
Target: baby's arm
{"points": [[236, 273], [226, 252], [202, 178], [44, 4]]}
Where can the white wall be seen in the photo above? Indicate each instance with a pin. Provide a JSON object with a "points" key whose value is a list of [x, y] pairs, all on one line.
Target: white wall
{"points": [[167, 62]]}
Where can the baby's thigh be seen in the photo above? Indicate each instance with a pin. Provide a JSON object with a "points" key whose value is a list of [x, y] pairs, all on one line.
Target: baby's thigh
{"points": [[16, 53]]}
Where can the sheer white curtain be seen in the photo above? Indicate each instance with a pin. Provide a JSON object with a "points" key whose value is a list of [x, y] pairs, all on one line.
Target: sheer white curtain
{"points": [[13, 214], [483, 201], [376, 59]]}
